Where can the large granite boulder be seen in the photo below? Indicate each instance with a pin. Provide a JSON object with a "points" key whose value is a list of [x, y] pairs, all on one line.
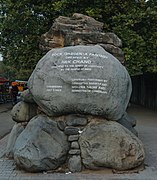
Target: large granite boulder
{"points": [[80, 30], [83, 80], [108, 144], [41, 146]]}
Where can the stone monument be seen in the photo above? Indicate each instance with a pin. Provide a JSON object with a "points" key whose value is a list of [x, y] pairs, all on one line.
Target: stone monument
{"points": [[73, 115]]}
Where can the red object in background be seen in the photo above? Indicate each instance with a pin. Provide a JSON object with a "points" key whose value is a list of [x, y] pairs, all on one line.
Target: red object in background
{"points": [[14, 83], [2, 80]]}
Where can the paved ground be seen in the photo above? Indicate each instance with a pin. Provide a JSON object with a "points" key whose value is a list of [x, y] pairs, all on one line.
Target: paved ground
{"points": [[147, 128]]}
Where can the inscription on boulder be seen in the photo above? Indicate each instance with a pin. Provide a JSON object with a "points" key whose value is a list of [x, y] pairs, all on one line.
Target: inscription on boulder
{"points": [[81, 79]]}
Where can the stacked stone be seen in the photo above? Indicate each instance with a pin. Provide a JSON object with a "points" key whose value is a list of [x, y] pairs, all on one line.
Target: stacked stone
{"points": [[80, 30], [74, 112], [21, 114], [74, 141], [75, 126]]}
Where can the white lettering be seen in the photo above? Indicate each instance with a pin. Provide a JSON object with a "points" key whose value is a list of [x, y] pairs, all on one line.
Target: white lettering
{"points": [[81, 61]]}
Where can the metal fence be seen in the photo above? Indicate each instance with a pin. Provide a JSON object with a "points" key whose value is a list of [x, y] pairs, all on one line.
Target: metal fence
{"points": [[145, 90]]}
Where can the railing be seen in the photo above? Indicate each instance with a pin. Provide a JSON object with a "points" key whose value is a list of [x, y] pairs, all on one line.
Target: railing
{"points": [[145, 90]]}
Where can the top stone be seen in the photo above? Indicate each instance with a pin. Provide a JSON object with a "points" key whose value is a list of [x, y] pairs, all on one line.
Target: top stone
{"points": [[80, 30], [81, 80]]}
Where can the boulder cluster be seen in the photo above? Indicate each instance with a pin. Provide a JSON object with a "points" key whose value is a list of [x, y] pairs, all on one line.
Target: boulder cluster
{"points": [[73, 114]]}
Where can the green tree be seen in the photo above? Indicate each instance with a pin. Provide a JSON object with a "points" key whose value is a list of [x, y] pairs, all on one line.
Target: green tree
{"points": [[138, 31], [7, 71], [23, 22]]}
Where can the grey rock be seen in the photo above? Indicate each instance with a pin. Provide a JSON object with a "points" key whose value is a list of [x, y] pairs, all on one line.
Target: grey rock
{"points": [[61, 125], [109, 144], [41, 146], [97, 85], [71, 130], [74, 152], [15, 132], [75, 145], [115, 51], [130, 119], [129, 122], [76, 120], [74, 164], [23, 112], [27, 97], [73, 137]]}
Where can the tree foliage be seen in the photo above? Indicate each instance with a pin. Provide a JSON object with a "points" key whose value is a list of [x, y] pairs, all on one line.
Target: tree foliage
{"points": [[23, 22]]}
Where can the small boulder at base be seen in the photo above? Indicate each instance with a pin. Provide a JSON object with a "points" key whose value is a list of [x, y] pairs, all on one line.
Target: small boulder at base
{"points": [[81, 80], [23, 112], [27, 97], [109, 144], [41, 146], [15, 132], [129, 122]]}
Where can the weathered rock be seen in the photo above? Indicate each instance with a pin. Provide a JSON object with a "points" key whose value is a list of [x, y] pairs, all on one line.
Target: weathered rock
{"points": [[74, 164], [75, 145], [41, 146], [130, 119], [76, 120], [109, 144], [129, 122], [71, 130], [61, 125], [27, 97], [81, 80], [74, 151], [73, 137], [15, 132], [115, 51], [23, 111], [80, 30]]}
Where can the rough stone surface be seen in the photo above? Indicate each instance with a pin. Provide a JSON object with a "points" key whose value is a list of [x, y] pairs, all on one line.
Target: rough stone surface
{"points": [[76, 120], [23, 111], [80, 30], [75, 145], [129, 122], [130, 119], [73, 137], [27, 97], [15, 132], [61, 125], [109, 144], [71, 130], [74, 152], [115, 51], [74, 164], [41, 146], [81, 80]]}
